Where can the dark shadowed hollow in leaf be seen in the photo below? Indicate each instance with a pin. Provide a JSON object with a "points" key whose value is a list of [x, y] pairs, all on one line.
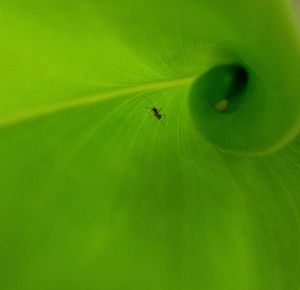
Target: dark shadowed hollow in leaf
{"points": [[229, 106], [221, 83]]}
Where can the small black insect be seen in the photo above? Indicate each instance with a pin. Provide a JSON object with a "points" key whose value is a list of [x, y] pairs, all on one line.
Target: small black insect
{"points": [[156, 113]]}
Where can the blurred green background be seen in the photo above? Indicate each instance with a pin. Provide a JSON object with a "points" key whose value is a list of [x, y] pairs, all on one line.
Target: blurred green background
{"points": [[97, 193]]}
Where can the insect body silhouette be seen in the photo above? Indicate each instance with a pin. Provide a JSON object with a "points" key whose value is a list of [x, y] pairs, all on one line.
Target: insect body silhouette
{"points": [[155, 111]]}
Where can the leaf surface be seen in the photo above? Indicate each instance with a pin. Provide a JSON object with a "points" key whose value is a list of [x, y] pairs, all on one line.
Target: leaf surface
{"points": [[97, 193]]}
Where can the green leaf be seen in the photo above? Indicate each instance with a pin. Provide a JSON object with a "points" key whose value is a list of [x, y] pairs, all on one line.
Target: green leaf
{"points": [[96, 192]]}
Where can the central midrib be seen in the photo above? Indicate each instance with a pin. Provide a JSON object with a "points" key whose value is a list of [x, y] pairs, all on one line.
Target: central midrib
{"points": [[19, 117]]}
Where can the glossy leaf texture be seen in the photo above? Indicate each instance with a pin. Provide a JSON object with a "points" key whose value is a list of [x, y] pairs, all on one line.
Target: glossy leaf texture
{"points": [[96, 192]]}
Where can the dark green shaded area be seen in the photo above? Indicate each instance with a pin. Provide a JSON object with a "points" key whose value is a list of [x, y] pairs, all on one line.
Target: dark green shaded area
{"points": [[231, 108]]}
